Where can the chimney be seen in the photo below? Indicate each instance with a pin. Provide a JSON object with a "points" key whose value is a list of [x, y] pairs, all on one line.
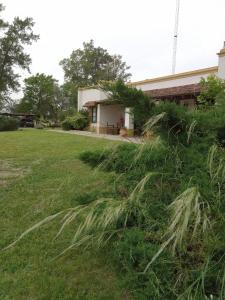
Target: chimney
{"points": [[221, 64]]}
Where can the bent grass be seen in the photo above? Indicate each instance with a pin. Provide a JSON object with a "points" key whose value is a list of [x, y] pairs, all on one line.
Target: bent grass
{"points": [[99, 219]]}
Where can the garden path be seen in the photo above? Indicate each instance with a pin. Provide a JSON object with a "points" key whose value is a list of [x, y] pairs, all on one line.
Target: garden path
{"points": [[136, 140]]}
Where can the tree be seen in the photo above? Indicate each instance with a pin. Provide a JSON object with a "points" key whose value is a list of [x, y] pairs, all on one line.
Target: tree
{"points": [[128, 96], [69, 95], [13, 38], [42, 96], [92, 64], [211, 88]]}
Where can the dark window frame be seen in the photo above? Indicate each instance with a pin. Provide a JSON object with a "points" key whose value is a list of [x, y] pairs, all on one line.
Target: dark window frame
{"points": [[94, 114]]}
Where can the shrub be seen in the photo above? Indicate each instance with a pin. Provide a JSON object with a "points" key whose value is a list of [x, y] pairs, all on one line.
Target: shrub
{"points": [[67, 124], [132, 253], [174, 121], [94, 158], [211, 87], [221, 136], [79, 121], [8, 123], [176, 236]]}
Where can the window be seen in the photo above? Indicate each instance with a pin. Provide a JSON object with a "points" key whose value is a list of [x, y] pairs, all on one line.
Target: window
{"points": [[94, 114]]}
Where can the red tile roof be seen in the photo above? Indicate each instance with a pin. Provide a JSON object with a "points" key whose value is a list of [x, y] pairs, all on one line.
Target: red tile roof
{"points": [[184, 90], [90, 104]]}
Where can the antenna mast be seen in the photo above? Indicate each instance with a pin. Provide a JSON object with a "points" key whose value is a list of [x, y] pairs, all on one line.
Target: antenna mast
{"points": [[175, 37]]}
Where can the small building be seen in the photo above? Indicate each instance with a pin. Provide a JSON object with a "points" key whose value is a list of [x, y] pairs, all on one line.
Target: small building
{"points": [[183, 88]]}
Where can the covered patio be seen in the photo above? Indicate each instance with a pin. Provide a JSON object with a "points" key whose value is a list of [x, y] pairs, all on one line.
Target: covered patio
{"points": [[109, 118]]}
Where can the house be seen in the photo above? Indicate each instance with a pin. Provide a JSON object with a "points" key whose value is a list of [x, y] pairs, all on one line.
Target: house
{"points": [[183, 88]]}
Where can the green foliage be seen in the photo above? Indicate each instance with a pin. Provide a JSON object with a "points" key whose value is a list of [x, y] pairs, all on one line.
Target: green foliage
{"points": [[79, 121], [41, 97], [179, 235], [221, 136], [8, 123], [44, 177], [132, 253], [14, 37], [211, 87], [165, 216], [174, 123], [88, 66], [128, 96], [69, 95], [67, 124], [66, 113]]}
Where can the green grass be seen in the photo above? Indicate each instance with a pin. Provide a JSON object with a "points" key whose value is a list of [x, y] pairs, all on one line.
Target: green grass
{"points": [[47, 176]]}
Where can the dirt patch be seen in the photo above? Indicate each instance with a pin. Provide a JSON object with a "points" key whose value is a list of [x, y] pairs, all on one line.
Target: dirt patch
{"points": [[9, 173]]}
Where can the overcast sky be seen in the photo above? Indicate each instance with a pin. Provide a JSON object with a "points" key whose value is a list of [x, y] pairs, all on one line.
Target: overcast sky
{"points": [[141, 31]]}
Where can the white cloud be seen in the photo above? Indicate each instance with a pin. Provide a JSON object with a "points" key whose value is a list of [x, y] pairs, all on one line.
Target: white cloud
{"points": [[141, 31]]}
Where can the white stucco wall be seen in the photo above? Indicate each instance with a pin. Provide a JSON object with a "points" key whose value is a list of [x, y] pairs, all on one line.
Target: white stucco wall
{"points": [[85, 95], [110, 113], [172, 82], [129, 120], [221, 70]]}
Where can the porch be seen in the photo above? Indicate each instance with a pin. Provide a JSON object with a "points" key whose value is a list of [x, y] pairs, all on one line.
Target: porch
{"points": [[109, 118]]}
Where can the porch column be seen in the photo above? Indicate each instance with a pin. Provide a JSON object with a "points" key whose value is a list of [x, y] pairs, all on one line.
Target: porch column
{"points": [[129, 121], [98, 119]]}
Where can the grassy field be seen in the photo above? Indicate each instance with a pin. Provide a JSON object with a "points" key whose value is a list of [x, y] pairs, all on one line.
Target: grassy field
{"points": [[40, 174]]}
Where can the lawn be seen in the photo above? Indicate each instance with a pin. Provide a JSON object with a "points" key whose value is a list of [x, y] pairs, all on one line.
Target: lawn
{"points": [[40, 174]]}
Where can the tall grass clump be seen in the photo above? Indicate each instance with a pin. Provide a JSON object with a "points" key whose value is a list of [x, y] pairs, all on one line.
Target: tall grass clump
{"points": [[164, 220]]}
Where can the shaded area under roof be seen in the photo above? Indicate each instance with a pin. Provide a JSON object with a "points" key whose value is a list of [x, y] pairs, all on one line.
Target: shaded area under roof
{"points": [[90, 103], [184, 90]]}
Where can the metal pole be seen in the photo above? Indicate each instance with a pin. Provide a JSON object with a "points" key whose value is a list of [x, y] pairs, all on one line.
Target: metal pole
{"points": [[175, 37]]}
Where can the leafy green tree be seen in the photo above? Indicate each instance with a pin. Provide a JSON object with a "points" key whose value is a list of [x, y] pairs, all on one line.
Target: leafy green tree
{"points": [[13, 38], [211, 88], [42, 96], [92, 64], [128, 96], [69, 95]]}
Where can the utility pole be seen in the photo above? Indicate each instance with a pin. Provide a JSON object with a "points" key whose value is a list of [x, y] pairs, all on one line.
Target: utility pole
{"points": [[175, 37]]}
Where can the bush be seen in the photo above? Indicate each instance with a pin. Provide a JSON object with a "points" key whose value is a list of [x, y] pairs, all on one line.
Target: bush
{"points": [[79, 121], [8, 123], [67, 124], [174, 123], [132, 253], [179, 189], [221, 136], [211, 87]]}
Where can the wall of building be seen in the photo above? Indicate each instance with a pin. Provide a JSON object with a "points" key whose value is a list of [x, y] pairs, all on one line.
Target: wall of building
{"points": [[221, 71], [189, 103], [172, 82], [111, 114], [85, 95]]}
